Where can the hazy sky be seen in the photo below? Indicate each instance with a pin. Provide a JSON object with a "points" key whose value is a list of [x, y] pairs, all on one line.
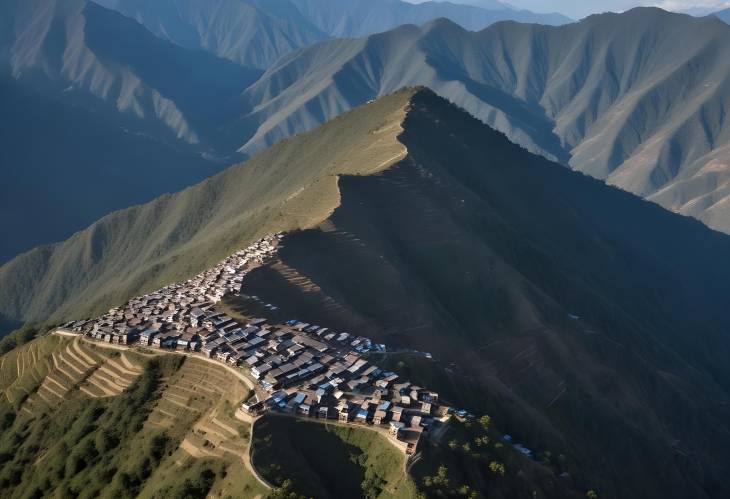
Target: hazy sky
{"points": [[581, 8]]}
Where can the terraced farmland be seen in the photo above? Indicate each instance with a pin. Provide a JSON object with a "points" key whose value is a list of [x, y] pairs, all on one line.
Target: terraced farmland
{"points": [[192, 392], [40, 375], [197, 406], [177, 411], [23, 369]]}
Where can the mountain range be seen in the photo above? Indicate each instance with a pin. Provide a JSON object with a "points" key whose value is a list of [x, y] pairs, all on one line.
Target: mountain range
{"points": [[598, 96], [99, 114], [588, 322], [519, 216], [637, 99], [171, 88], [257, 33]]}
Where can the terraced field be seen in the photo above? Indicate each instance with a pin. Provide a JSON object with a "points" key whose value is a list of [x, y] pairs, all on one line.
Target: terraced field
{"points": [[197, 406], [77, 365], [40, 375], [191, 419], [23, 369], [192, 392]]}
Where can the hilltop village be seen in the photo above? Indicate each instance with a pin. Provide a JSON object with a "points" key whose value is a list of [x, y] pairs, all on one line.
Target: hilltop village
{"points": [[300, 369]]}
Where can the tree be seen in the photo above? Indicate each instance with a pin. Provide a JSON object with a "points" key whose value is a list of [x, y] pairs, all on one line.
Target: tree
{"points": [[497, 468], [484, 421], [591, 494], [441, 479], [285, 491], [465, 491], [373, 485]]}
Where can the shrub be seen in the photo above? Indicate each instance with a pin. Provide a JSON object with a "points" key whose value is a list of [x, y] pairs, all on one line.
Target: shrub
{"points": [[497, 468]]}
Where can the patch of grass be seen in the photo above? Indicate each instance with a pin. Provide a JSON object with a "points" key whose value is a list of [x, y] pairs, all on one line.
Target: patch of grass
{"points": [[184, 477], [17, 338], [329, 461]]}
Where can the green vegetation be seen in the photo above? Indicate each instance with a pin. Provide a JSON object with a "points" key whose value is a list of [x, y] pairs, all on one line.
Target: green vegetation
{"points": [[23, 368], [328, 461], [17, 338], [474, 464], [87, 448], [119, 446], [194, 478], [291, 185]]}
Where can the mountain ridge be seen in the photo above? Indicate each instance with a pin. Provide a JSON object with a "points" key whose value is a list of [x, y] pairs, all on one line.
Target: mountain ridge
{"points": [[570, 302], [258, 32], [593, 94], [723, 15], [186, 243]]}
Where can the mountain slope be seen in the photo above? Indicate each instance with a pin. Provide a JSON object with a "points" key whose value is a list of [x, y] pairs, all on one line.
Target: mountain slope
{"points": [[723, 15], [80, 419], [246, 32], [64, 49], [588, 322], [99, 114], [638, 99], [144, 247], [258, 32], [78, 167]]}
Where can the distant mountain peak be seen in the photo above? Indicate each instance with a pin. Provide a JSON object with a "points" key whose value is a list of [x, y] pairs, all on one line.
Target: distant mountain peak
{"points": [[599, 95]]}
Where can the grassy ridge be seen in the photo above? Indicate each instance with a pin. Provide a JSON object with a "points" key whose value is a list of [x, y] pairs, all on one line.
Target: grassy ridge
{"points": [[138, 249]]}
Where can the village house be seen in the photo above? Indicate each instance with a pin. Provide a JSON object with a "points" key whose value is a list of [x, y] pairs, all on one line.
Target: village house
{"points": [[343, 412], [395, 428]]}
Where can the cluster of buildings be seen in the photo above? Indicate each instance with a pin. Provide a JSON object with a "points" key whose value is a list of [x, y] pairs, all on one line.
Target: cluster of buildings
{"points": [[182, 313], [311, 371], [301, 369]]}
